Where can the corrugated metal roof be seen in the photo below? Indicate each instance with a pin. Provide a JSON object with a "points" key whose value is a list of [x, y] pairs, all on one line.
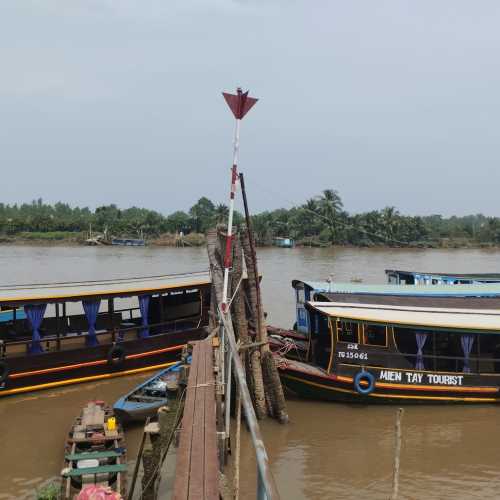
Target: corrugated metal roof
{"points": [[479, 290], [478, 276], [116, 287], [465, 319]]}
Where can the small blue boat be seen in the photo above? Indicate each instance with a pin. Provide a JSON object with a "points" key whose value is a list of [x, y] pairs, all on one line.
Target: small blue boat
{"points": [[145, 399], [128, 242]]}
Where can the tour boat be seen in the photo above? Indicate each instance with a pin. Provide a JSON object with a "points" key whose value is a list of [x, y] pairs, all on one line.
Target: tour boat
{"points": [[95, 453], [424, 278], [381, 353], [376, 332], [65, 339]]}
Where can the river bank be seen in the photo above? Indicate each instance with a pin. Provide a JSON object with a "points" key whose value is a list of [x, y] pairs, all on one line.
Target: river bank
{"points": [[71, 239]]}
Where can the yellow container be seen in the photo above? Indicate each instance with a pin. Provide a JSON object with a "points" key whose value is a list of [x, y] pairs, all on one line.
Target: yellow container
{"points": [[111, 423]]}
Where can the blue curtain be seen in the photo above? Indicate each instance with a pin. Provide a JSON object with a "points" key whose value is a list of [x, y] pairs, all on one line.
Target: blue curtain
{"points": [[91, 308], [35, 314], [467, 341], [144, 307], [421, 338]]}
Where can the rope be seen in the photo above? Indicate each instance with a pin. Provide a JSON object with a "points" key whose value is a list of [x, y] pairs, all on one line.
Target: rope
{"points": [[236, 291]]}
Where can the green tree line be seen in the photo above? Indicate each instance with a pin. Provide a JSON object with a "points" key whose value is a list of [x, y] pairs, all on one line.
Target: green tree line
{"points": [[321, 220]]}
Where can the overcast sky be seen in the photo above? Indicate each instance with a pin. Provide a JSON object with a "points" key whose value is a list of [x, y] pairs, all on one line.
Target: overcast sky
{"points": [[389, 102]]}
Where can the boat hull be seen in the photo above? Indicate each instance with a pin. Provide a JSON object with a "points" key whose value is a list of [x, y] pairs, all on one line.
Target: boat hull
{"points": [[311, 382], [58, 368], [137, 413]]}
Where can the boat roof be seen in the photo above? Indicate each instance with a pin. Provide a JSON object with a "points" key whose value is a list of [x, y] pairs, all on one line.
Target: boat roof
{"points": [[479, 276], [119, 287], [423, 317], [472, 290]]}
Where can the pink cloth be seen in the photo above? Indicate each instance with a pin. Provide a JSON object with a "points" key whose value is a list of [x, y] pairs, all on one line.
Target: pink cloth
{"points": [[93, 492]]}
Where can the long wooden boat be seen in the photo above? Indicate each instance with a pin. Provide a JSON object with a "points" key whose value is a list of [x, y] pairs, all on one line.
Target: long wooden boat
{"points": [[391, 354], [144, 325], [144, 400], [398, 277], [95, 453]]}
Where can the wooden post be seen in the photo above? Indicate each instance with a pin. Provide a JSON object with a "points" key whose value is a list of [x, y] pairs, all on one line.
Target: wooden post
{"points": [[397, 452], [162, 312], [271, 378], [252, 257], [111, 311], [151, 460], [58, 328]]}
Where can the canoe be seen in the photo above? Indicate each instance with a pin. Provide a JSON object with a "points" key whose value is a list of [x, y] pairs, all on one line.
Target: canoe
{"points": [[95, 453], [144, 400]]}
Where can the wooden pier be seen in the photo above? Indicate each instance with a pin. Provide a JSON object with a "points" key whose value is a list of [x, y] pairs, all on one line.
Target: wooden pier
{"points": [[197, 471]]}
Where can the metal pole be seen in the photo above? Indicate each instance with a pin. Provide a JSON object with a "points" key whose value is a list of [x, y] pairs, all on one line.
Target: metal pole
{"points": [[253, 426], [239, 103], [234, 179], [227, 397]]}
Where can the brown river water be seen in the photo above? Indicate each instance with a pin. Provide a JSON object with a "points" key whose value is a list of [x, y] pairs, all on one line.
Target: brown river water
{"points": [[328, 450]]}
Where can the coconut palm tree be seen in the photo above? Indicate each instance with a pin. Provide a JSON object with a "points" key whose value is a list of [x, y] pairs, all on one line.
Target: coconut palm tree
{"points": [[330, 205], [221, 213]]}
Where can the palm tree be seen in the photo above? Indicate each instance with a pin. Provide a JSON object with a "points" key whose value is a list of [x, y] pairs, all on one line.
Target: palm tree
{"points": [[330, 204], [390, 221], [221, 213]]}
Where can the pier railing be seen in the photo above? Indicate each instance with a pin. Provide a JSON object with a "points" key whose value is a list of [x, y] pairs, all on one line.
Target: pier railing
{"points": [[231, 361]]}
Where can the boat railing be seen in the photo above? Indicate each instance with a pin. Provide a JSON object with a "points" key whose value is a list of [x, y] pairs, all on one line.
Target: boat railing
{"points": [[66, 340], [231, 364]]}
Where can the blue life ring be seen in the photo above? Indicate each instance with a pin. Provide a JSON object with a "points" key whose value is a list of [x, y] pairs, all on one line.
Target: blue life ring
{"points": [[367, 377]]}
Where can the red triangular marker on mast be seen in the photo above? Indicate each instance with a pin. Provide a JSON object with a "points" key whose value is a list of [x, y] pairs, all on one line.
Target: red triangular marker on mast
{"points": [[240, 104]]}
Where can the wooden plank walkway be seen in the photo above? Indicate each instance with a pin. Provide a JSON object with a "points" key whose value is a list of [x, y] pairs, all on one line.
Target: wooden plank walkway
{"points": [[197, 470]]}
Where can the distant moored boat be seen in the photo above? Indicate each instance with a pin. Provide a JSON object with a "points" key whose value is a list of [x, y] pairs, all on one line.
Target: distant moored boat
{"points": [[424, 278], [128, 242]]}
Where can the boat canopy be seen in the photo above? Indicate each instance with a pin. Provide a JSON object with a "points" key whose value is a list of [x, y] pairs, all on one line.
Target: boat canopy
{"points": [[469, 276], [425, 318], [317, 286], [395, 276], [120, 287]]}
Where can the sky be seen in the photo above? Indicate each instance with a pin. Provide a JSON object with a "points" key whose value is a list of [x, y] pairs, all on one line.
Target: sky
{"points": [[391, 102]]}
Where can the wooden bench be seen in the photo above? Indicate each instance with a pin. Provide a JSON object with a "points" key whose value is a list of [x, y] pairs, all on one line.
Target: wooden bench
{"points": [[102, 469], [197, 470], [94, 454]]}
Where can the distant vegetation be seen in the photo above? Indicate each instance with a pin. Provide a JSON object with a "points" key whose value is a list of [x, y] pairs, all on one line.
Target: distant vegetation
{"points": [[319, 221]]}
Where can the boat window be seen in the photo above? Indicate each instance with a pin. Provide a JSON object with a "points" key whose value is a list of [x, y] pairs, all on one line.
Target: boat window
{"points": [[488, 353], [393, 279], [448, 352], [347, 331], [321, 324], [375, 335], [406, 344], [301, 296]]}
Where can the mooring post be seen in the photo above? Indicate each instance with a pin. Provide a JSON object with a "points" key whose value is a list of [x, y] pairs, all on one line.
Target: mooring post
{"points": [[151, 460], [165, 422], [397, 452]]}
